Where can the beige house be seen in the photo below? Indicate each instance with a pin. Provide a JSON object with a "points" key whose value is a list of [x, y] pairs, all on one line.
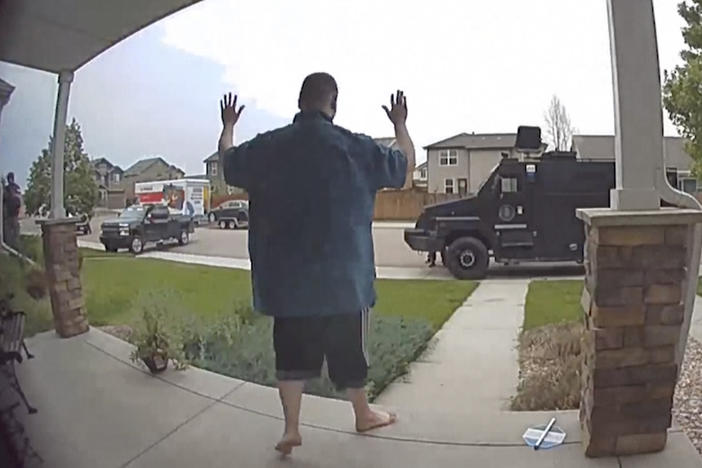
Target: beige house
{"points": [[110, 181], [214, 172], [461, 164], [150, 169], [601, 147]]}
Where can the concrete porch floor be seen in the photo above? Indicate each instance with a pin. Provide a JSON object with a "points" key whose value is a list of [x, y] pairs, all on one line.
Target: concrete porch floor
{"points": [[97, 409]]}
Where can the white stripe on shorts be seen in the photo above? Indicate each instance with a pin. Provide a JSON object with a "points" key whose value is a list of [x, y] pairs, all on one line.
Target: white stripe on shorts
{"points": [[365, 329]]}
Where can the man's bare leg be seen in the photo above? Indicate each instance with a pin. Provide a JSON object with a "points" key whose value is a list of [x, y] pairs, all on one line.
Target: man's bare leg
{"points": [[291, 397], [367, 418]]}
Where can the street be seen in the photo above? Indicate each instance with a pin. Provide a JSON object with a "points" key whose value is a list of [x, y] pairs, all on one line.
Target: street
{"points": [[388, 237]]}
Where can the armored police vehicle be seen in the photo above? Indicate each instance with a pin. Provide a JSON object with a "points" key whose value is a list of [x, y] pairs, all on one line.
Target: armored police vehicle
{"points": [[524, 211]]}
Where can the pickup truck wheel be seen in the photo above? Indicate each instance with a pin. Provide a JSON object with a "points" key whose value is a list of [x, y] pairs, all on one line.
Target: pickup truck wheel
{"points": [[137, 245], [232, 224], [212, 218], [467, 258], [184, 238]]}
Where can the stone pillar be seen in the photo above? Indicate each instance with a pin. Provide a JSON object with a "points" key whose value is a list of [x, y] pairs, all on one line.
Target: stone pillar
{"points": [[637, 266], [63, 275]]}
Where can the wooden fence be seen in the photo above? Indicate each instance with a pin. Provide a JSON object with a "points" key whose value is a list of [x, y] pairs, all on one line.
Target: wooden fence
{"points": [[406, 205], [390, 205]]}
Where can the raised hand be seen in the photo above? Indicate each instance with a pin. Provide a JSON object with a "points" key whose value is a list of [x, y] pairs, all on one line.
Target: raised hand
{"points": [[227, 106], [398, 108]]}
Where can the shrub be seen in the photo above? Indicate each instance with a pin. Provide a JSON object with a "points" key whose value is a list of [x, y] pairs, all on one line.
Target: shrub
{"points": [[36, 283], [243, 348], [550, 361], [161, 329]]}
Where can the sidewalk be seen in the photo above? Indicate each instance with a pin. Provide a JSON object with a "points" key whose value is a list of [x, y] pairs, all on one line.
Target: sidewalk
{"points": [[473, 361], [98, 410]]}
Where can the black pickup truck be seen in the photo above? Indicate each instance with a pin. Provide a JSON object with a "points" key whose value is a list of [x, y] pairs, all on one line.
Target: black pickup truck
{"points": [[138, 225]]}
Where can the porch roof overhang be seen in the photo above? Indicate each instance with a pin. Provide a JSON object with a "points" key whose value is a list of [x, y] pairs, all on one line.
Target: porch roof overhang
{"points": [[63, 35]]}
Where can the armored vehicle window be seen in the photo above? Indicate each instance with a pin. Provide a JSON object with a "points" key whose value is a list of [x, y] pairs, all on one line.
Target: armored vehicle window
{"points": [[509, 185]]}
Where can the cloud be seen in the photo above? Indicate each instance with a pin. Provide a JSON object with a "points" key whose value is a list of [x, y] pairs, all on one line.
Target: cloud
{"points": [[465, 65]]}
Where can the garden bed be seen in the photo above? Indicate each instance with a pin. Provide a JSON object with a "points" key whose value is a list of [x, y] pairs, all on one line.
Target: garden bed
{"points": [[224, 336], [550, 358]]}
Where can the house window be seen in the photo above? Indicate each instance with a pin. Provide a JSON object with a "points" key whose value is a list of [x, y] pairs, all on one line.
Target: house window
{"points": [[115, 177], [423, 174], [688, 184], [448, 186], [213, 168], [448, 158]]}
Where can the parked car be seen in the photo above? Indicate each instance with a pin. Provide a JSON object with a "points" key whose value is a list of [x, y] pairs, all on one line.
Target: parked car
{"points": [[83, 226], [232, 214], [141, 224]]}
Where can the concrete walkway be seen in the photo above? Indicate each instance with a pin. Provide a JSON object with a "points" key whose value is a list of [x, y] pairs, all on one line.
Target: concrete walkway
{"points": [[472, 363], [98, 410]]}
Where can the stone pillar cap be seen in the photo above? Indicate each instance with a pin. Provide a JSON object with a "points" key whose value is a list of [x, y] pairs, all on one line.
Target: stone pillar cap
{"points": [[57, 221], [662, 217]]}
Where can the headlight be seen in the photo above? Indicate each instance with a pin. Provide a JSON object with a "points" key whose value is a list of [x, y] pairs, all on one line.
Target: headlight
{"points": [[124, 231]]}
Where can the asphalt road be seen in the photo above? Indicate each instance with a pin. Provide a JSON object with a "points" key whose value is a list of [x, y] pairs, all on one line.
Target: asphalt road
{"points": [[390, 249]]}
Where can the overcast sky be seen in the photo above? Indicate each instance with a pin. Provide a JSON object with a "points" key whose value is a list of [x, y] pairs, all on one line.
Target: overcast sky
{"points": [[465, 65]]}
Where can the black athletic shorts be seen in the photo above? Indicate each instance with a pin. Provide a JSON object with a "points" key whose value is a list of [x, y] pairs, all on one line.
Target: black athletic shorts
{"points": [[302, 343]]}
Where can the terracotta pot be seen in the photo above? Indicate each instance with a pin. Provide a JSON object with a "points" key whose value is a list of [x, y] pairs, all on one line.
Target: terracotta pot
{"points": [[156, 363]]}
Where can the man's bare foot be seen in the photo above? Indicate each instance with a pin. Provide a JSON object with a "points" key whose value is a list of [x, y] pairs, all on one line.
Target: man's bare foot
{"points": [[375, 420], [288, 442]]}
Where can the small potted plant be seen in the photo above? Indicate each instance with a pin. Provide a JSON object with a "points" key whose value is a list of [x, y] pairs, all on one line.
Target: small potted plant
{"points": [[158, 339]]}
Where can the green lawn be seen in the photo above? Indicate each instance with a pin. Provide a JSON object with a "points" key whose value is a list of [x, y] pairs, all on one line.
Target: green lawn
{"points": [[551, 302], [111, 285]]}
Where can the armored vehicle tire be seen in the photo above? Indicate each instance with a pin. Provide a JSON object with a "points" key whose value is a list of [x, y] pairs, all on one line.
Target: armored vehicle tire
{"points": [[467, 258]]}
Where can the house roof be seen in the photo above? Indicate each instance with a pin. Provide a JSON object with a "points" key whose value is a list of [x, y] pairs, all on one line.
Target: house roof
{"points": [[213, 157], [97, 161], [143, 164], [602, 147], [56, 35], [421, 166], [477, 141]]}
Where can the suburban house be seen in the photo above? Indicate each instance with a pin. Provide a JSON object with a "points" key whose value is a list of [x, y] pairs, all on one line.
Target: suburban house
{"points": [[420, 176], [214, 172], [149, 169], [461, 164], [109, 178], [601, 147]]}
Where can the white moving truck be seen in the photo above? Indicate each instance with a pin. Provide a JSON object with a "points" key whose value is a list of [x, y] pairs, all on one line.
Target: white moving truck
{"points": [[186, 196]]}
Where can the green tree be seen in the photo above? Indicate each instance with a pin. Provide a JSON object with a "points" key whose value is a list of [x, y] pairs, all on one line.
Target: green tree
{"points": [[682, 91], [80, 189]]}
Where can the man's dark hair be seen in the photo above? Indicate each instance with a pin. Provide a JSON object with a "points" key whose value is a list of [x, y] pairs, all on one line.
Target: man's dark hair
{"points": [[10, 176], [316, 89]]}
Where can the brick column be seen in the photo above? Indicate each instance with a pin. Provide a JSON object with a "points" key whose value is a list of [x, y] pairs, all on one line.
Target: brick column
{"points": [[634, 300], [62, 272]]}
